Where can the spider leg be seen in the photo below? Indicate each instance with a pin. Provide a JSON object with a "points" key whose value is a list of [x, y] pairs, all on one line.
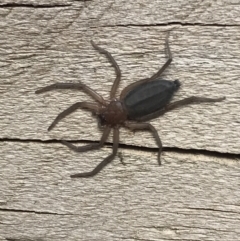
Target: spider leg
{"points": [[178, 104], [83, 105], [191, 100], [115, 65], [121, 158], [74, 86], [89, 147], [147, 126], [167, 63], [106, 161]]}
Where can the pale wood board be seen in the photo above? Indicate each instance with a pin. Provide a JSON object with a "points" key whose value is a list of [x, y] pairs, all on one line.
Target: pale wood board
{"points": [[192, 197], [189, 197]]}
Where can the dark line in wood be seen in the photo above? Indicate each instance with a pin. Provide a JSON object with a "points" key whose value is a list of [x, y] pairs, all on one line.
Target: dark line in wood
{"points": [[171, 23], [30, 211], [212, 210], [22, 5], [132, 147], [24, 239]]}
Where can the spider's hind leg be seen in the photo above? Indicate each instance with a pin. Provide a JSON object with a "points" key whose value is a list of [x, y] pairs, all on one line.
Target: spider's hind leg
{"points": [[155, 76], [191, 100]]}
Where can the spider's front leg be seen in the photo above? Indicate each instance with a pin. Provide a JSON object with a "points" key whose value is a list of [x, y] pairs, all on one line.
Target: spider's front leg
{"points": [[115, 65], [73, 86], [79, 105]]}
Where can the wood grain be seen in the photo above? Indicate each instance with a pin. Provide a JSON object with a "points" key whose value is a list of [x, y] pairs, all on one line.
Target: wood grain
{"points": [[191, 196]]}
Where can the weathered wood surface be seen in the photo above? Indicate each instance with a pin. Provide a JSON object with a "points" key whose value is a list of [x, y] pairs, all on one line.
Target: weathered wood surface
{"points": [[191, 196]]}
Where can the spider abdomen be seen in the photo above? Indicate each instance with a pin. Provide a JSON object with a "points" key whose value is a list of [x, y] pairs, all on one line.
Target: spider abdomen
{"points": [[149, 97]]}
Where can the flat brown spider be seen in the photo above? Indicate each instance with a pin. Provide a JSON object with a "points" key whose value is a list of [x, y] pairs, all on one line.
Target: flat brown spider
{"points": [[140, 101]]}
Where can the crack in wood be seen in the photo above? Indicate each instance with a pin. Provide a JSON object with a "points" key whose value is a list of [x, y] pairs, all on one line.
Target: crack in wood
{"points": [[31, 211], [22, 5], [131, 147]]}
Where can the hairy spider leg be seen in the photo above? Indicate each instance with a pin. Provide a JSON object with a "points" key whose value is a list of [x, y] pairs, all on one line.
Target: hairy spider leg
{"points": [[115, 65], [179, 104], [147, 126], [106, 161], [76, 86], [167, 63], [83, 105], [191, 100], [93, 146]]}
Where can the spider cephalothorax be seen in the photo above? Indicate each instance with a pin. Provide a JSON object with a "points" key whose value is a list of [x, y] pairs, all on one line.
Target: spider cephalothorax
{"points": [[113, 114]]}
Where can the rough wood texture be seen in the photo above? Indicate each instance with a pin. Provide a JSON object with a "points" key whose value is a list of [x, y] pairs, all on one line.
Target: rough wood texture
{"points": [[191, 196]]}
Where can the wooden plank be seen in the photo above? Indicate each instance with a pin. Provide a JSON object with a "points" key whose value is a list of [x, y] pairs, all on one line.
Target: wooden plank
{"points": [[205, 61], [190, 196]]}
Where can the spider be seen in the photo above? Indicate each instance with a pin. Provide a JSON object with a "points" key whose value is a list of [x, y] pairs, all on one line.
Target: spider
{"points": [[138, 102]]}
